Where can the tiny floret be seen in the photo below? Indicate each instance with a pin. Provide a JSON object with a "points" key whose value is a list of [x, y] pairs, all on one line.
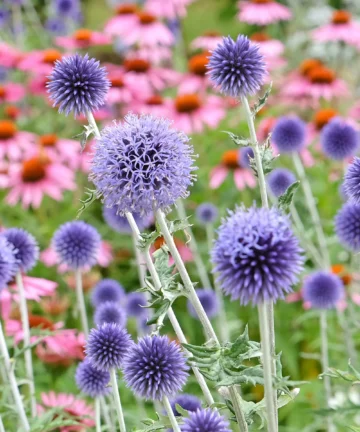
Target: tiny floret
{"points": [[339, 140], [110, 312], [289, 134], [25, 247], [347, 226], [107, 290], [279, 180], [93, 382], [351, 185], [323, 290], [237, 67], [207, 213], [209, 302], [205, 420], [8, 263]]}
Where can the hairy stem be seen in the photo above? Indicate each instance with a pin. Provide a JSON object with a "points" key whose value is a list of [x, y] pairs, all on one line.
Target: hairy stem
{"points": [[170, 413], [117, 400], [81, 302], [97, 415], [240, 417]]}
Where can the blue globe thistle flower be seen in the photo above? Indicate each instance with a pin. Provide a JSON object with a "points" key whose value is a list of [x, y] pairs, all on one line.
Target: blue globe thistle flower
{"points": [[78, 84], [66, 7], [107, 346], [256, 255], [155, 368], [237, 67], [289, 134], [323, 290], [110, 312], [339, 140], [142, 164], [347, 226], [135, 303], [107, 290], [4, 16], [351, 185], [205, 420], [93, 382], [8, 264], [187, 401], [209, 301], [25, 247], [207, 213], [245, 153], [77, 244], [56, 26], [279, 180], [120, 223]]}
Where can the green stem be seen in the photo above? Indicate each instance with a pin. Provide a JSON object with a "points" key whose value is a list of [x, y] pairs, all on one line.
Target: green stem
{"points": [[240, 417], [117, 400], [97, 415], [170, 413], [81, 302]]}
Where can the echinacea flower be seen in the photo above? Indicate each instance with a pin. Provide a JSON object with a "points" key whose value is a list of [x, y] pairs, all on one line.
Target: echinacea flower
{"points": [[65, 150], [205, 420], [279, 180], [323, 290], [82, 39], [352, 181], [271, 49], [91, 381], [110, 312], [35, 288], [187, 402], [9, 55], [256, 255], [170, 10], [155, 367], [263, 12], [107, 290], [209, 302], [25, 246], [207, 213], [196, 80], [11, 92], [339, 140], [347, 226], [142, 164], [40, 62], [13, 142], [7, 262], [208, 41]]}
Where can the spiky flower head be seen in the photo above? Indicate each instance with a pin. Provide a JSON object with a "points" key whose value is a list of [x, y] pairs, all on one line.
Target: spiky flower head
{"points": [[279, 180], [323, 290], [347, 226], [209, 302], [142, 164], [155, 367], [110, 312], [78, 84], [207, 213], [257, 256], [25, 247], [289, 134], [245, 155], [93, 382], [107, 346], [187, 401], [77, 244], [205, 420], [237, 67], [8, 263], [120, 223], [352, 181], [135, 303], [339, 140], [107, 290]]}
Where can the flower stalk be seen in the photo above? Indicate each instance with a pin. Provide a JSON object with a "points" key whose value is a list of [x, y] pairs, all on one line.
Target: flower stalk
{"points": [[81, 302], [117, 400], [170, 413], [97, 415]]}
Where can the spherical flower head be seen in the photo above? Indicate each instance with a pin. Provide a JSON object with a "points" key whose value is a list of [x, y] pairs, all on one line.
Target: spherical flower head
{"points": [[93, 382], [279, 180], [245, 154], [107, 290], [110, 312], [323, 290], [339, 140], [209, 302], [142, 164], [155, 367], [187, 401], [351, 185], [205, 420], [257, 256], [78, 84], [67, 7], [207, 213], [120, 223], [25, 247], [8, 264], [135, 303], [289, 134], [77, 244], [347, 226], [107, 346], [237, 67]]}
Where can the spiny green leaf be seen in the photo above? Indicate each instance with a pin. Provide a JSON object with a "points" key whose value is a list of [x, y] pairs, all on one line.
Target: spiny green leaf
{"points": [[261, 101], [84, 135], [147, 239], [267, 158], [179, 225], [91, 197], [285, 200], [239, 140]]}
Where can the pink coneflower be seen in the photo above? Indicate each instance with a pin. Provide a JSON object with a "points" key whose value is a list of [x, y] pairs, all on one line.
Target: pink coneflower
{"points": [[263, 12], [196, 80], [12, 112], [208, 41], [125, 13], [82, 39], [77, 409], [13, 142], [320, 119], [271, 49], [11, 92], [14, 327], [35, 288], [191, 114], [63, 150], [155, 105], [183, 249], [37, 86], [36, 177], [342, 28], [169, 9], [40, 62], [121, 90], [9, 55], [243, 177]]}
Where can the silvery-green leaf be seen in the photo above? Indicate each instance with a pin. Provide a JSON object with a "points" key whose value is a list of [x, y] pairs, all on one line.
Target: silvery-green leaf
{"points": [[285, 200]]}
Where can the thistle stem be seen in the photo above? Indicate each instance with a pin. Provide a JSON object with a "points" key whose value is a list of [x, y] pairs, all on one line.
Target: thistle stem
{"points": [[81, 302], [12, 380], [27, 347], [170, 413], [2, 429], [97, 415], [240, 417], [117, 400], [92, 123]]}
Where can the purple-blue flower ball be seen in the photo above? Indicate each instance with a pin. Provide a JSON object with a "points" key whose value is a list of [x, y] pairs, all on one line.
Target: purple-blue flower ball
{"points": [[8, 265], [237, 67], [245, 154], [209, 302], [279, 180], [77, 244], [110, 312], [207, 213], [187, 401], [323, 290], [352, 181], [56, 26], [107, 290], [205, 420], [347, 226], [256, 256], [142, 164], [107, 346], [155, 367], [67, 7], [78, 84], [289, 134], [135, 303], [25, 247], [120, 223], [93, 382], [339, 140]]}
